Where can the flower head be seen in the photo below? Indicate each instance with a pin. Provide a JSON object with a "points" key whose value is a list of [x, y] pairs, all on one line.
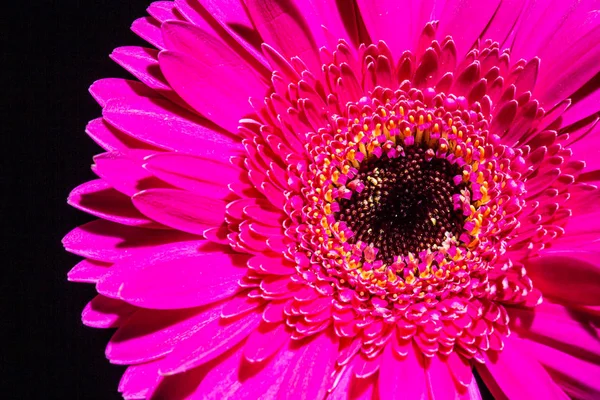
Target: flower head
{"points": [[349, 200]]}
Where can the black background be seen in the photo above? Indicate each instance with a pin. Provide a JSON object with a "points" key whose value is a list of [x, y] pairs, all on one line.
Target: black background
{"points": [[51, 53]]}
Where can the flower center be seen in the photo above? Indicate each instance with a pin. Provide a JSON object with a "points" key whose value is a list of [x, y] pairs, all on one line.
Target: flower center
{"points": [[404, 204]]}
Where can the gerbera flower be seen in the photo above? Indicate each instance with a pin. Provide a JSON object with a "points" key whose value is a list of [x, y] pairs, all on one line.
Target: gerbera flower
{"points": [[339, 199]]}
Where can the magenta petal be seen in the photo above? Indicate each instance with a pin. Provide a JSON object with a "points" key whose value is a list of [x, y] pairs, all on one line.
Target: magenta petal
{"points": [[411, 375], [265, 341], [209, 342], [245, 381], [150, 334], [88, 271], [195, 41], [568, 276], [196, 174], [381, 19], [106, 241], [104, 312], [181, 210], [310, 372], [112, 139], [139, 380], [577, 376], [177, 277], [282, 26], [389, 381], [453, 21], [219, 94], [160, 123], [576, 66], [148, 28], [516, 385], [124, 173], [101, 200], [564, 327], [439, 380], [104, 90]]}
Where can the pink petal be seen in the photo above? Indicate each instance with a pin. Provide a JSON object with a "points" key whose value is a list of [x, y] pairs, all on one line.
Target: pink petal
{"points": [[439, 380], [389, 380], [106, 241], [181, 210], [569, 276], [142, 63], [582, 109], [576, 66], [381, 19], [209, 342], [236, 379], [88, 271], [138, 380], [309, 375], [571, 372], [164, 11], [217, 19], [101, 200], [104, 90], [192, 173], [411, 375], [124, 173], [175, 278], [148, 29], [193, 40], [514, 384], [150, 334], [265, 341], [103, 312], [216, 82], [453, 22], [240, 304], [282, 26], [112, 139], [160, 123], [565, 327]]}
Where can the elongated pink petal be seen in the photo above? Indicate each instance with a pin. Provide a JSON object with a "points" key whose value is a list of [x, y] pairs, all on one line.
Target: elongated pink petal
{"points": [[88, 271], [139, 380], [101, 200], [452, 22], [194, 173], [566, 328], [439, 380], [265, 341], [309, 375], [175, 278], [151, 334], [124, 173], [106, 241], [104, 312], [282, 26], [209, 342], [181, 210], [577, 376], [160, 123], [112, 139], [219, 94], [148, 28], [515, 384], [104, 90], [244, 381], [569, 276]]}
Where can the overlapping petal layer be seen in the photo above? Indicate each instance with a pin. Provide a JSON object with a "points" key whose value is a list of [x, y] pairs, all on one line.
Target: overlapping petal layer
{"points": [[246, 172]]}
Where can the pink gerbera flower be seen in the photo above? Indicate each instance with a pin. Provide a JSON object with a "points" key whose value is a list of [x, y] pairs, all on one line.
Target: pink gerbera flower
{"points": [[339, 199]]}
